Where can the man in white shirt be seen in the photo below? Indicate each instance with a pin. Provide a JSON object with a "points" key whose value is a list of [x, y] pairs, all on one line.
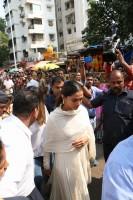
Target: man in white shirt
{"points": [[8, 83], [118, 173], [3, 168], [18, 179]]}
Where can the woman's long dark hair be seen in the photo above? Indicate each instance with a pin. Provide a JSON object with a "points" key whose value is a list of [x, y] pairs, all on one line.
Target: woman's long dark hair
{"points": [[41, 114], [69, 89]]}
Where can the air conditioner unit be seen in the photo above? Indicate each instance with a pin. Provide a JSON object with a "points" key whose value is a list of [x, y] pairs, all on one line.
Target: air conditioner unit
{"points": [[21, 6], [23, 21], [22, 15]]}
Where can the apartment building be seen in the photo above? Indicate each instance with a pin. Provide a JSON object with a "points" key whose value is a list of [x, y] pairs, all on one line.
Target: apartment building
{"points": [[33, 26], [71, 20]]}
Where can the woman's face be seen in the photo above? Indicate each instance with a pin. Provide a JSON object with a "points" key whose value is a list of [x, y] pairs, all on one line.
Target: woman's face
{"points": [[73, 102]]}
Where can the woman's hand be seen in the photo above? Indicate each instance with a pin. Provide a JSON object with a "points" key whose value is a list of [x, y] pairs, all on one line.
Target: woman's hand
{"points": [[80, 142], [47, 172]]}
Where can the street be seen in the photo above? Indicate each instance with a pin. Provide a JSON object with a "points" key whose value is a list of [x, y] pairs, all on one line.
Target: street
{"points": [[96, 185]]}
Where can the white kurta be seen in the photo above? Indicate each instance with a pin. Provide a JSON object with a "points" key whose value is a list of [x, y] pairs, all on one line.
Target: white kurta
{"points": [[71, 171], [18, 179]]}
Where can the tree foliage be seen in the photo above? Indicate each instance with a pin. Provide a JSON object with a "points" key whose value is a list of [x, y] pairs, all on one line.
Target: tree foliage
{"points": [[2, 25], [102, 13], [4, 50]]}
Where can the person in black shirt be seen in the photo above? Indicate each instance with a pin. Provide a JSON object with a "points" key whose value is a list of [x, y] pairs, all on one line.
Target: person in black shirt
{"points": [[50, 99], [117, 112]]}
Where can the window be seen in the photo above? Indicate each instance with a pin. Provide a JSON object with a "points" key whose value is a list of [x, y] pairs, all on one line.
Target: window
{"points": [[70, 19], [74, 29], [52, 37], [69, 31], [50, 22], [37, 37], [14, 41], [24, 38], [61, 34], [67, 5], [22, 14], [11, 13], [25, 53], [10, 43], [55, 48], [36, 8], [59, 9], [72, 3], [49, 8], [9, 30], [12, 56], [62, 46], [7, 17], [13, 28], [37, 21]]}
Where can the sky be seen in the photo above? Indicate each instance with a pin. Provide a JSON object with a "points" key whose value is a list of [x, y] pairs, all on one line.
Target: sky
{"points": [[1, 9]]}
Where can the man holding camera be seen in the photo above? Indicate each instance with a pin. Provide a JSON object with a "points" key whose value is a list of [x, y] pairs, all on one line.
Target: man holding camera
{"points": [[128, 69]]}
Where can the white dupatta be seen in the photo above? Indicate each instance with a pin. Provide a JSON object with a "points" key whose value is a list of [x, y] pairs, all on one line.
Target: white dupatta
{"points": [[63, 127]]}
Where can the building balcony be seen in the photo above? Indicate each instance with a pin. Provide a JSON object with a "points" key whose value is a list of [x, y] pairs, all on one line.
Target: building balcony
{"points": [[36, 28], [38, 44], [38, 2], [23, 21], [35, 15]]}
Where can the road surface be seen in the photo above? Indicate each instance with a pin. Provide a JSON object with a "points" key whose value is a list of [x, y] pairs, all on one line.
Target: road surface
{"points": [[96, 185]]}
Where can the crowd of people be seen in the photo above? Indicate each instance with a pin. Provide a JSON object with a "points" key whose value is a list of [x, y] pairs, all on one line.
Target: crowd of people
{"points": [[49, 128]]}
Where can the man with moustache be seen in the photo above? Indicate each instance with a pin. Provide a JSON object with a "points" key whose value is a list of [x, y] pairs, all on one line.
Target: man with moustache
{"points": [[117, 112], [56, 86]]}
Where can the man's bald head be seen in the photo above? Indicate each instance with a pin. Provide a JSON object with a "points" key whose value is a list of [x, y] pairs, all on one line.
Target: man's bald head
{"points": [[116, 81], [116, 73]]}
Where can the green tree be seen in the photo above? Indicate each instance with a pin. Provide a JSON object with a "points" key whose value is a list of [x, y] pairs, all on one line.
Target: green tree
{"points": [[102, 13], [2, 25], [4, 50]]}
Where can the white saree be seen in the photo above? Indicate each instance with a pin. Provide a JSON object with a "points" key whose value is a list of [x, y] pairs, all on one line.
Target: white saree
{"points": [[71, 170]]}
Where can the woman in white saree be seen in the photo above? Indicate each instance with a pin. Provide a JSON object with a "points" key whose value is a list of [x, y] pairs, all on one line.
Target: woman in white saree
{"points": [[68, 135]]}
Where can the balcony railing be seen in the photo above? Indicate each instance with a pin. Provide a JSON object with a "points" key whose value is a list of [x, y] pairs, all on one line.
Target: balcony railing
{"points": [[35, 15], [36, 28], [34, 1], [38, 44]]}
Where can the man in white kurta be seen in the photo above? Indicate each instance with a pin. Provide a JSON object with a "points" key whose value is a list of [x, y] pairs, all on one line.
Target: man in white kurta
{"points": [[18, 179], [17, 140]]}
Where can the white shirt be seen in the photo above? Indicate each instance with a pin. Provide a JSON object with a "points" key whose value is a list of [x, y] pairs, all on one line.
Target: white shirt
{"points": [[8, 85], [38, 136], [18, 179], [118, 173], [33, 82]]}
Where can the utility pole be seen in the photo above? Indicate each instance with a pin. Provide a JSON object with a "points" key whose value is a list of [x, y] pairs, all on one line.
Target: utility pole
{"points": [[13, 46]]}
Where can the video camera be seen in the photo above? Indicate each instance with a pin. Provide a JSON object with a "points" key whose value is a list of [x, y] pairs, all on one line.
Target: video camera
{"points": [[109, 46]]}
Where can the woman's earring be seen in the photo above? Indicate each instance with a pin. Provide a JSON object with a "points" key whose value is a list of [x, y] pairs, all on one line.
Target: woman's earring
{"points": [[62, 101]]}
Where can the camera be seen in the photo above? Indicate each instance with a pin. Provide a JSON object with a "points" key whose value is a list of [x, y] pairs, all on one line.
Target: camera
{"points": [[109, 46]]}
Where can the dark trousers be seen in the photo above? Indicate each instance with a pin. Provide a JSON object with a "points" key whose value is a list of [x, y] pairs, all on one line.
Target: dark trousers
{"points": [[107, 149], [35, 195], [38, 172]]}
